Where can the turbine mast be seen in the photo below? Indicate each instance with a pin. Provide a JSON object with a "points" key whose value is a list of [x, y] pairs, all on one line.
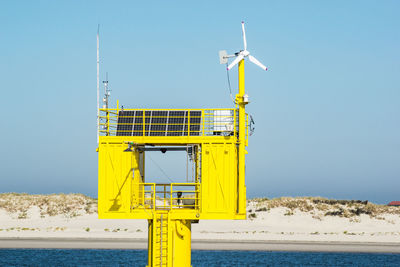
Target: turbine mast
{"points": [[242, 99]]}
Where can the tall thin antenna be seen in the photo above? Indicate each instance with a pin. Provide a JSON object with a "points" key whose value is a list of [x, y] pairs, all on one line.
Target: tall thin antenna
{"points": [[98, 85], [105, 102], [106, 92]]}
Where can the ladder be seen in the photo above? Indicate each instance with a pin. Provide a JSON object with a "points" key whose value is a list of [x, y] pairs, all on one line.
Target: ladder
{"points": [[160, 249]]}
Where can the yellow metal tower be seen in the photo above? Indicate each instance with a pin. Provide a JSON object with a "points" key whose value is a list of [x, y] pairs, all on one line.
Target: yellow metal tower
{"points": [[216, 141]]}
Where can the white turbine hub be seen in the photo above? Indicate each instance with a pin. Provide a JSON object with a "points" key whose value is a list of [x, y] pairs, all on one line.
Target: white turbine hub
{"points": [[244, 53]]}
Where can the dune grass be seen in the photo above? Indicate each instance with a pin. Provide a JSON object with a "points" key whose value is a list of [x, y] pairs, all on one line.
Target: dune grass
{"points": [[72, 205], [69, 205], [325, 207]]}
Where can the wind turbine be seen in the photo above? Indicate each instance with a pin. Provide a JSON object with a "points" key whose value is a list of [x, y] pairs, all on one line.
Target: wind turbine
{"points": [[241, 100], [240, 55]]}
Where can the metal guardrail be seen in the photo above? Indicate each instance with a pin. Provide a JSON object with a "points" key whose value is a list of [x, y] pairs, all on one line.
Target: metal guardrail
{"points": [[168, 122], [169, 196]]}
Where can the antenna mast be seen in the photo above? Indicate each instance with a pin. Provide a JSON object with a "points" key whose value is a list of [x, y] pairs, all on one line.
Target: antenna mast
{"points": [[105, 101], [106, 92], [98, 85]]}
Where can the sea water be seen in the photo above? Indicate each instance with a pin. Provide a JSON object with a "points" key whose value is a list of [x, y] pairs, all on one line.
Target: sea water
{"points": [[92, 257]]}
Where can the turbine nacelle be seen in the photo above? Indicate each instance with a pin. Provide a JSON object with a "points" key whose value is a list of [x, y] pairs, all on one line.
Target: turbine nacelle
{"points": [[240, 55], [245, 53]]}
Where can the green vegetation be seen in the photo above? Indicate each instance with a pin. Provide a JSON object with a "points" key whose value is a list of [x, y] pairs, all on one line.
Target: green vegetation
{"points": [[252, 215], [320, 207], [73, 205], [289, 213], [69, 205]]}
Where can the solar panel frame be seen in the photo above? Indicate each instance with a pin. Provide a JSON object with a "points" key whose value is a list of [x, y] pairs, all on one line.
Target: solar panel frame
{"points": [[125, 123], [138, 124], [195, 123], [159, 123]]}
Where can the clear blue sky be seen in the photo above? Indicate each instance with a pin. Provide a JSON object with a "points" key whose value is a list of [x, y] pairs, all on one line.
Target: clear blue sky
{"points": [[327, 112]]}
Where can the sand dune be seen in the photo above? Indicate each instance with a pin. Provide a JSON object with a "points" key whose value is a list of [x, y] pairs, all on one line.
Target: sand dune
{"points": [[283, 219]]}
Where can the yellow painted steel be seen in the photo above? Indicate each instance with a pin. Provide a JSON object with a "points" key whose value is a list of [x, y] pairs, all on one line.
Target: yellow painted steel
{"points": [[123, 192], [217, 192], [242, 144], [169, 241]]}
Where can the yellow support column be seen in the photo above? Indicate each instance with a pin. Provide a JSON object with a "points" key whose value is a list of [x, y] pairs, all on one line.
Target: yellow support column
{"points": [[169, 241], [181, 243], [242, 141]]}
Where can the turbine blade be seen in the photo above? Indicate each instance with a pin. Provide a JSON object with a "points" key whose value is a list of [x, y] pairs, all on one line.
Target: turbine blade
{"points": [[258, 63], [244, 36], [236, 61]]}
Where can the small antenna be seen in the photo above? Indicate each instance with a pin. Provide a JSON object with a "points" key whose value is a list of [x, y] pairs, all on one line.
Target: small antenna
{"points": [[98, 84], [105, 102], [107, 92]]}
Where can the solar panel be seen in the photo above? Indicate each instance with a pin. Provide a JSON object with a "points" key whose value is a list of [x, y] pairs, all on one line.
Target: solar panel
{"points": [[125, 123], [195, 123], [137, 129], [159, 123]]}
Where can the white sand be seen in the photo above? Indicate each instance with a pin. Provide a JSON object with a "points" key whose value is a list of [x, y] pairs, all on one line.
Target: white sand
{"points": [[267, 226], [274, 225]]}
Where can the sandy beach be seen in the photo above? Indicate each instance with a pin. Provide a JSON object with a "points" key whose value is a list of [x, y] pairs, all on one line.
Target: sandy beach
{"points": [[129, 243], [285, 224]]}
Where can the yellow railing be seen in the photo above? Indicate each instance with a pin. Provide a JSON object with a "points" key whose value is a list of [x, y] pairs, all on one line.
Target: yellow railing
{"points": [[169, 196], [168, 122]]}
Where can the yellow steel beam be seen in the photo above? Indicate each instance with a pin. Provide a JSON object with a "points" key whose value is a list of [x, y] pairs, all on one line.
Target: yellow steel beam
{"points": [[167, 140], [169, 241], [241, 141]]}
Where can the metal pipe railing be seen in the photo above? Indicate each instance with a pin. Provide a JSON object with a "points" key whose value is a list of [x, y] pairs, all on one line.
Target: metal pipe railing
{"points": [[169, 196], [192, 122]]}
